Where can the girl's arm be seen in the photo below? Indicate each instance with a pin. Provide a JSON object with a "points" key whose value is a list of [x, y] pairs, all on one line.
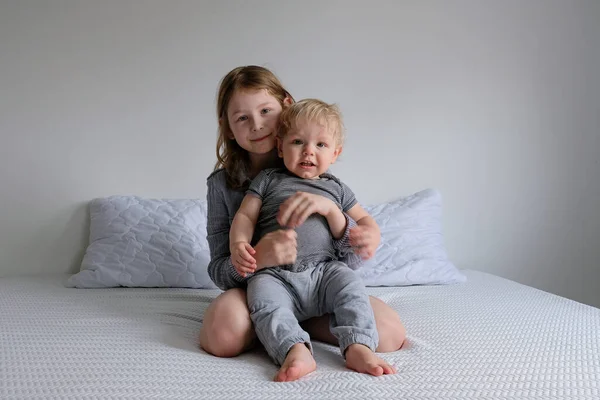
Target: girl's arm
{"points": [[220, 269], [364, 238], [361, 238], [344, 248]]}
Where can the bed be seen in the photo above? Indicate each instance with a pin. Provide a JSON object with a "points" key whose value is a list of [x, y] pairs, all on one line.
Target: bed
{"points": [[487, 338]]}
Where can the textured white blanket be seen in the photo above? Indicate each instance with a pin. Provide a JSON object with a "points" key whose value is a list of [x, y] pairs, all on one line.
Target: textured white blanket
{"points": [[488, 338]]}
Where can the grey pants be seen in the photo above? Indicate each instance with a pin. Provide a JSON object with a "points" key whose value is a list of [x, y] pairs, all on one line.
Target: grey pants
{"points": [[279, 299]]}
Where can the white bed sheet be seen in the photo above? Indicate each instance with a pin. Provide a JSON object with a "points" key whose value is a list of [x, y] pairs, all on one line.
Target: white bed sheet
{"points": [[489, 338]]}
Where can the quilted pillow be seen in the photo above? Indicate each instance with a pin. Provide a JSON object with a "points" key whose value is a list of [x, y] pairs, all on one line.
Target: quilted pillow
{"points": [[137, 242], [412, 250]]}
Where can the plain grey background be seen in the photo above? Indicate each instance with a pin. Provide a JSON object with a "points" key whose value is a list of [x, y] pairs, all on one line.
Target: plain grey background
{"points": [[494, 103]]}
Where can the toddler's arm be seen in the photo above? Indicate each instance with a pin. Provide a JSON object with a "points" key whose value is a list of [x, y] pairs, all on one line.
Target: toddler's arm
{"points": [[240, 235], [337, 222], [298, 207]]}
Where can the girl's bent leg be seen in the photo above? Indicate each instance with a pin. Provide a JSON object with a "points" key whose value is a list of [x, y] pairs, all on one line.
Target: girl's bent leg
{"points": [[389, 327], [227, 330], [391, 331]]}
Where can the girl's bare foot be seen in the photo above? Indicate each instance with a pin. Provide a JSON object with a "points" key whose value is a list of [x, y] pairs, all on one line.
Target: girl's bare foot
{"points": [[361, 359], [299, 362]]}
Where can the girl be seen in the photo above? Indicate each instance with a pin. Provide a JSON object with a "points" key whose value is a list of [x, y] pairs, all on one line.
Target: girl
{"points": [[249, 102]]}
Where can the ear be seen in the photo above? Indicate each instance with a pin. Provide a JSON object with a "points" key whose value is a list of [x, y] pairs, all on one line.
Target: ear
{"points": [[336, 154], [287, 101], [279, 147]]}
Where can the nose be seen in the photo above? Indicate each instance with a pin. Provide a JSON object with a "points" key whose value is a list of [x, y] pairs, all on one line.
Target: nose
{"points": [[308, 150], [257, 124]]}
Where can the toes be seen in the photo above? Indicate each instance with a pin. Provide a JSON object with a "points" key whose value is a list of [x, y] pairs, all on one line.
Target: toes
{"points": [[280, 377], [375, 370], [283, 375], [389, 370], [293, 373]]}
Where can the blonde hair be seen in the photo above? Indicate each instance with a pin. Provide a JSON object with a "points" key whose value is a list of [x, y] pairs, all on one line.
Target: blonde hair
{"points": [[230, 155], [313, 110]]}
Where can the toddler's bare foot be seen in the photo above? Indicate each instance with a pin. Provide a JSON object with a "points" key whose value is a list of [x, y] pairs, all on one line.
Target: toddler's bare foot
{"points": [[299, 362], [361, 359]]}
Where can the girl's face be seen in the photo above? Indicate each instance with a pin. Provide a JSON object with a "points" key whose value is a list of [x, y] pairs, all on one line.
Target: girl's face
{"points": [[253, 117]]}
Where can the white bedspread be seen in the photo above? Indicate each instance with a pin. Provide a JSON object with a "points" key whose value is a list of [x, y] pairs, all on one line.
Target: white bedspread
{"points": [[486, 339]]}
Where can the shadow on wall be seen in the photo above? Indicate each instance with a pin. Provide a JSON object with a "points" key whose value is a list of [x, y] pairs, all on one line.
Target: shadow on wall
{"points": [[75, 237], [66, 236]]}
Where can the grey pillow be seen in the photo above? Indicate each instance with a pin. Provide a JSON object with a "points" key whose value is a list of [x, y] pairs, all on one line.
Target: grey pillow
{"points": [[412, 249], [137, 242]]}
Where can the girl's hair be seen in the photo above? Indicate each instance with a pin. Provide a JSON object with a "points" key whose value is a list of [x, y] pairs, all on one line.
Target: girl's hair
{"points": [[230, 155], [313, 110]]}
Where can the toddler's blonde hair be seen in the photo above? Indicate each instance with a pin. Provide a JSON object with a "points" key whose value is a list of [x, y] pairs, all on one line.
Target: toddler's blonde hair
{"points": [[313, 110]]}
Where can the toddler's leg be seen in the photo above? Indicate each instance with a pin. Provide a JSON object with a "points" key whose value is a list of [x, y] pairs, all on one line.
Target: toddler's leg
{"points": [[352, 321], [272, 310]]}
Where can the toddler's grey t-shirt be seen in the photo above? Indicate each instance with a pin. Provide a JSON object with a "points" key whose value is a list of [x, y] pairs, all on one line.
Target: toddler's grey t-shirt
{"points": [[315, 241]]}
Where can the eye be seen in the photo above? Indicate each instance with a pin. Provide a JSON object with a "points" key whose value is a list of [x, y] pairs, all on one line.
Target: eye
{"points": [[265, 111], [242, 118], [321, 145], [296, 141]]}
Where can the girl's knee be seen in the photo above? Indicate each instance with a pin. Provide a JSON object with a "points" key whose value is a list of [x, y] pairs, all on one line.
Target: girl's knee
{"points": [[223, 343], [392, 333], [391, 338], [227, 329]]}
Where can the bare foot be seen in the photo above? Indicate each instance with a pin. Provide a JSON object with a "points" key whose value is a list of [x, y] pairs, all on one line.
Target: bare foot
{"points": [[361, 359], [299, 362]]}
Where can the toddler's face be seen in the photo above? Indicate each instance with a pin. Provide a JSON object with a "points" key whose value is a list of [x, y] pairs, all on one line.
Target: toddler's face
{"points": [[308, 149]]}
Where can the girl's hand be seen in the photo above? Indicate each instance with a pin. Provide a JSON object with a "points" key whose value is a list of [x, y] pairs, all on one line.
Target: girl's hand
{"points": [[241, 258], [297, 208], [365, 240], [276, 248]]}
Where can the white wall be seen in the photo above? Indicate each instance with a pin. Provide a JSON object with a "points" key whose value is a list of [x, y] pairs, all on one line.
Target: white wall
{"points": [[495, 103]]}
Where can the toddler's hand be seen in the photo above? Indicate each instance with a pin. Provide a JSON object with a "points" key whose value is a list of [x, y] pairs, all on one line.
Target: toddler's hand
{"points": [[365, 240], [298, 207], [241, 258]]}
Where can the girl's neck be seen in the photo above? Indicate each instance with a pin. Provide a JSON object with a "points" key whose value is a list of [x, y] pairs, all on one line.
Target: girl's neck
{"points": [[258, 162]]}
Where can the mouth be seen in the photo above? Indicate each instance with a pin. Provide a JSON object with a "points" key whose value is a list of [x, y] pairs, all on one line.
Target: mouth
{"points": [[260, 139], [307, 164]]}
